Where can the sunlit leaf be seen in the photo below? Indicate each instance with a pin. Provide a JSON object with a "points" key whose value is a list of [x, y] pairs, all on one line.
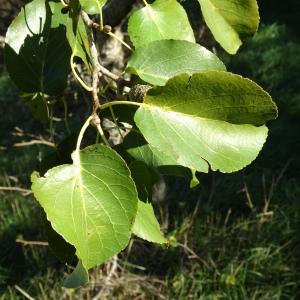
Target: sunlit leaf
{"points": [[159, 61], [212, 119], [92, 7], [231, 21], [163, 19], [91, 203], [146, 225]]}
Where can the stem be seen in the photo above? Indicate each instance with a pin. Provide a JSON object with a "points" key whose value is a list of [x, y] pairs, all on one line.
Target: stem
{"points": [[145, 2], [64, 3], [116, 122], [121, 41], [83, 84], [100, 17], [112, 103], [51, 129], [81, 134], [66, 116], [103, 137]]}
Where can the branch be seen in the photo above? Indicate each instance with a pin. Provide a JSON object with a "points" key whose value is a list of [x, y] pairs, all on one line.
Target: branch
{"points": [[107, 29], [32, 243], [15, 189], [33, 142], [25, 294], [98, 69]]}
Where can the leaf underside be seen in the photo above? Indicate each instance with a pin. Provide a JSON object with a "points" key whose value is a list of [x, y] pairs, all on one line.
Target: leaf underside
{"points": [[91, 203], [163, 19]]}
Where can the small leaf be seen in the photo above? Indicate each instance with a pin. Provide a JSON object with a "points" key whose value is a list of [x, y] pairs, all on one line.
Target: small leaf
{"points": [[212, 119], [78, 278], [92, 7], [38, 106], [146, 225], [159, 61], [194, 181], [144, 179], [231, 21], [77, 35], [163, 19], [91, 203], [136, 147]]}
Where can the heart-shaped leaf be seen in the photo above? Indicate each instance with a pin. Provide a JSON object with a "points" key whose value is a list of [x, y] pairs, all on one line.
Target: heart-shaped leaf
{"points": [[92, 203], [208, 119], [163, 19], [159, 61], [231, 21]]}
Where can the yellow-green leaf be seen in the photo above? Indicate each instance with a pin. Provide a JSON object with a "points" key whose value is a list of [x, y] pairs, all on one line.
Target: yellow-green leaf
{"points": [[163, 19], [161, 60], [92, 203], [212, 119], [146, 225], [231, 21]]}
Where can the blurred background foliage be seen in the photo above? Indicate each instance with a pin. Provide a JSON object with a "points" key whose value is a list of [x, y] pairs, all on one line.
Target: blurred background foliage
{"points": [[235, 236]]}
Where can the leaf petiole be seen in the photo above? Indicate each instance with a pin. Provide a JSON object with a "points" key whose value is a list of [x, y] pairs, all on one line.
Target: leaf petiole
{"points": [[83, 84], [112, 103], [81, 134]]}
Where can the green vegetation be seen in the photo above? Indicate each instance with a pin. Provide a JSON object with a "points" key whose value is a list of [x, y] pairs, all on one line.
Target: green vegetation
{"points": [[235, 236]]}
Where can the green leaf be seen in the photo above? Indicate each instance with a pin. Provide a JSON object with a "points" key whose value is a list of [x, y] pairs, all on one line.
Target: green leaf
{"points": [[231, 21], [211, 119], [61, 249], [36, 51], [137, 148], [194, 181], [78, 278], [59, 17], [91, 203], [77, 35], [92, 7], [163, 19], [159, 61], [146, 225], [38, 106], [144, 179]]}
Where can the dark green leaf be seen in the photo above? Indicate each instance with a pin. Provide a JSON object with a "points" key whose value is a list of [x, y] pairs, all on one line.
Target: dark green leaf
{"points": [[38, 106], [78, 278], [36, 50]]}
